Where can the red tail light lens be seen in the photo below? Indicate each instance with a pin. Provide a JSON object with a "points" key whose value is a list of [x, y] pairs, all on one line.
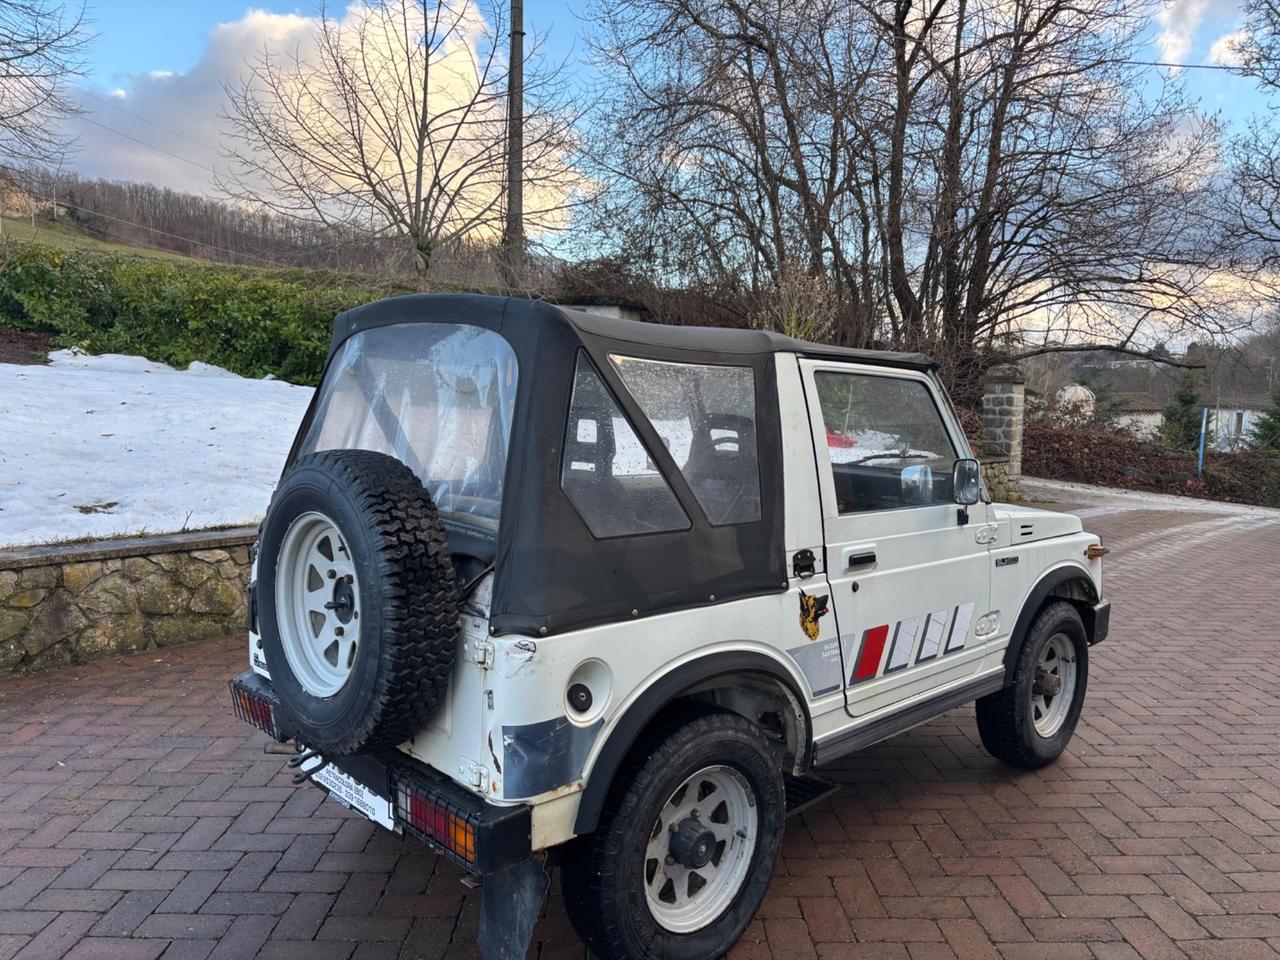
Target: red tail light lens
{"points": [[436, 820], [253, 709]]}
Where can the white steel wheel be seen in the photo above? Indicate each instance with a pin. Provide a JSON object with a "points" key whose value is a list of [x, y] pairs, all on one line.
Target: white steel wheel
{"points": [[700, 849], [318, 604], [1054, 686]]}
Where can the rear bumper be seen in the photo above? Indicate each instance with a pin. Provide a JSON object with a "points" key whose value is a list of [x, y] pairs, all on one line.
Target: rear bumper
{"points": [[1101, 622], [481, 837]]}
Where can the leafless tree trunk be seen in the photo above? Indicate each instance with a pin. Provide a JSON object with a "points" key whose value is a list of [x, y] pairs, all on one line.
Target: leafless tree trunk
{"points": [[391, 122], [41, 43]]}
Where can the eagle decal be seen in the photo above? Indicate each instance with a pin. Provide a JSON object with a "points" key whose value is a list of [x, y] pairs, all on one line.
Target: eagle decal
{"points": [[812, 609]]}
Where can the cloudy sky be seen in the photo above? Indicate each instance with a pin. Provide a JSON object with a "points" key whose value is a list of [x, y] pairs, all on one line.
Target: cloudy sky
{"points": [[153, 91]]}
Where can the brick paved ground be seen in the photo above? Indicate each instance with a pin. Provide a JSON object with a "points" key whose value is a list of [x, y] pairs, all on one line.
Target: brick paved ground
{"points": [[138, 820]]}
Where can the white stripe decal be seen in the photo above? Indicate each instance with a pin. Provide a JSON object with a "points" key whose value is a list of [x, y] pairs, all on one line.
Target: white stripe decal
{"points": [[960, 628], [904, 641], [933, 635]]}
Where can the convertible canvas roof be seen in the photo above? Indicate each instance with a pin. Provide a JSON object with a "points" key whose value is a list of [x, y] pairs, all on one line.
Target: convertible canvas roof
{"points": [[552, 573], [490, 311]]}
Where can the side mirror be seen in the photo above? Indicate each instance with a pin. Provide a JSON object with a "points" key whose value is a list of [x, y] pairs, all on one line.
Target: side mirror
{"points": [[917, 484], [966, 482]]}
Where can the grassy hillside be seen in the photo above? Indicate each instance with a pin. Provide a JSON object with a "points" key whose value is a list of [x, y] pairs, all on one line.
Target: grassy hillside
{"points": [[63, 236], [176, 310]]}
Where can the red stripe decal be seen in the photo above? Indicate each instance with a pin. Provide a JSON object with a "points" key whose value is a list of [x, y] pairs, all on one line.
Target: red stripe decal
{"points": [[872, 647]]}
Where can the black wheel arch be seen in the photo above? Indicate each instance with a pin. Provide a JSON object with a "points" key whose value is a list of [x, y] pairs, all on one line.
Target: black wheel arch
{"points": [[666, 693], [1071, 583]]}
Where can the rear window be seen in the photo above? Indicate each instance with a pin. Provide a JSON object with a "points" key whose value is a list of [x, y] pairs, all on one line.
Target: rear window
{"points": [[437, 397]]}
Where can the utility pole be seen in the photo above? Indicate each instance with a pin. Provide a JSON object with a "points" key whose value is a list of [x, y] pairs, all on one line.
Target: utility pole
{"points": [[513, 235]]}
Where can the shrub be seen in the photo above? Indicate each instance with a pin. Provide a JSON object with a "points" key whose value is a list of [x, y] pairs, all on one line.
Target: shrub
{"points": [[1180, 427], [1096, 453], [1265, 435], [250, 321]]}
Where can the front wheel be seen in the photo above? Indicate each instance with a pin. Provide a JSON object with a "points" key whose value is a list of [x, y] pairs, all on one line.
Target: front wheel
{"points": [[685, 847], [1030, 722]]}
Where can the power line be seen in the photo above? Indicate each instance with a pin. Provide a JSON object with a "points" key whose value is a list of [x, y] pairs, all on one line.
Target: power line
{"points": [[145, 143], [1228, 68], [137, 116]]}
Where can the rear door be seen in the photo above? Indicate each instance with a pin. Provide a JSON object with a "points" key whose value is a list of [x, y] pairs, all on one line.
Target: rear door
{"points": [[908, 581]]}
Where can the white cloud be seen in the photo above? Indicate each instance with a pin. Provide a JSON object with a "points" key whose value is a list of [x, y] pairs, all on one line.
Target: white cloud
{"points": [[168, 129], [1225, 49], [1179, 20], [176, 114]]}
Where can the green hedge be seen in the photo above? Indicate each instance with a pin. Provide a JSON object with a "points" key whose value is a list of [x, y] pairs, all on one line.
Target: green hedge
{"points": [[252, 322]]}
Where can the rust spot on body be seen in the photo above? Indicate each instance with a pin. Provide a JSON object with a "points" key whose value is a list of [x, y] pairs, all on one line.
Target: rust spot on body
{"points": [[493, 753]]}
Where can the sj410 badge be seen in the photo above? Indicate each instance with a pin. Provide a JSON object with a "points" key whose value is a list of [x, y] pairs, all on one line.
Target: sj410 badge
{"points": [[812, 609]]}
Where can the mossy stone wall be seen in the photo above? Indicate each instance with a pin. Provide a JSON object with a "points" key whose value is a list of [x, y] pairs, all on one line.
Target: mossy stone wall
{"points": [[75, 603]]}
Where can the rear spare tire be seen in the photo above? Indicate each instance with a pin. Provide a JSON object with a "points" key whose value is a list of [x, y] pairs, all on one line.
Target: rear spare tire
{"points": [[357, 601]]}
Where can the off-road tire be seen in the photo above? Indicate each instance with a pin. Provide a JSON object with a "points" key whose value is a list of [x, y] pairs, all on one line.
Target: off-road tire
{"points": [[1005, 719], [408, 598], [602, 873]]}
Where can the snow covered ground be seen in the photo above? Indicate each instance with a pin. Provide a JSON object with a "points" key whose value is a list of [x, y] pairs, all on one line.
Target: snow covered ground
{"points": [[111, 445]]}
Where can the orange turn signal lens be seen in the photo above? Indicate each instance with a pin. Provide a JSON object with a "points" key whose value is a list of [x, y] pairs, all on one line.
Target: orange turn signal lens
{"points": [[435, 821], [1096, 552]]}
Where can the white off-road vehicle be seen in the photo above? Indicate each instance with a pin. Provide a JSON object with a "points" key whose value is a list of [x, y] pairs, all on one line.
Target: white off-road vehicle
{"points": [[542, 587]]}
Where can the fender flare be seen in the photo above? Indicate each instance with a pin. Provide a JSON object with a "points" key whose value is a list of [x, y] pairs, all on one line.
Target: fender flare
{"points": [[1043, 589], [659, 694]]}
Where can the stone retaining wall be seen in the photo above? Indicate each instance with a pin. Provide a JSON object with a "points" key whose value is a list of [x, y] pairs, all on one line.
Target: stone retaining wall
{"points": [[78, 602], [1003, 487]]}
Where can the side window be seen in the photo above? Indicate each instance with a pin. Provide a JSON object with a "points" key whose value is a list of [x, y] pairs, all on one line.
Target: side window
{"points": [[706, 416], [887, 442], [607, 473]]}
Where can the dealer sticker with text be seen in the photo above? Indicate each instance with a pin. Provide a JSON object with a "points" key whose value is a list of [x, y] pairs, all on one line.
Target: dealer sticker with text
{"points": [[351, 793]]}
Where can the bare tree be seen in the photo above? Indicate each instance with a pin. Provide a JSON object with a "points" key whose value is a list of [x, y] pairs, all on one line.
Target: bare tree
{"points": [[1256, 152], [41, 43], [390, 121], [968, 174]]}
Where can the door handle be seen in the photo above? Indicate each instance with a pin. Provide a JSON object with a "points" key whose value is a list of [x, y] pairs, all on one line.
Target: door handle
{"points": [[858, 555]]}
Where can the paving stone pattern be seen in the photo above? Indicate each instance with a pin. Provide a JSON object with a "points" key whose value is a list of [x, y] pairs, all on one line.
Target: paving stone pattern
{"points": [[139, 820]]}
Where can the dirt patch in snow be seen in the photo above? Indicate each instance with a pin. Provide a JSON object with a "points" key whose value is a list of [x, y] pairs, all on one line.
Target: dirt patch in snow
{"points": [[25, 346]]}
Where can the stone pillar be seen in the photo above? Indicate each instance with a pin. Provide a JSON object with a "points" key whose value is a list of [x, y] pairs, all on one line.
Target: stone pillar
{"points": [[1003, 398]]}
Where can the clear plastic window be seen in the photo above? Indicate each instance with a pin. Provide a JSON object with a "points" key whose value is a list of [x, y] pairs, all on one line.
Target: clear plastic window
{"points": [[886, 440], [706, 416], [608, 474], [438, 397]]}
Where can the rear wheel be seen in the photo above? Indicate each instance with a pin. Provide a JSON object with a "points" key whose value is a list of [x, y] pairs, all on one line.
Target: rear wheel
{"points": [[685, 848], [1030, 722]]}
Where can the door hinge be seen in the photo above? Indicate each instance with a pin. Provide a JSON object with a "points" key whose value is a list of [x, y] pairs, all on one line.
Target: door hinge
{"points": [[480, 652], [472, 772], [803, 563]]}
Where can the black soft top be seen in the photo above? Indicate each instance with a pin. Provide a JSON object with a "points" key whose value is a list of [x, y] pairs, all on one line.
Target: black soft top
{"points": [[730, 341], [551, 573]]}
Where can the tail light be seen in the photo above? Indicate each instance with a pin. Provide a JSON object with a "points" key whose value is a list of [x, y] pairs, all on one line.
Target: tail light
{"points": [[433, 818], [253, 704]]}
